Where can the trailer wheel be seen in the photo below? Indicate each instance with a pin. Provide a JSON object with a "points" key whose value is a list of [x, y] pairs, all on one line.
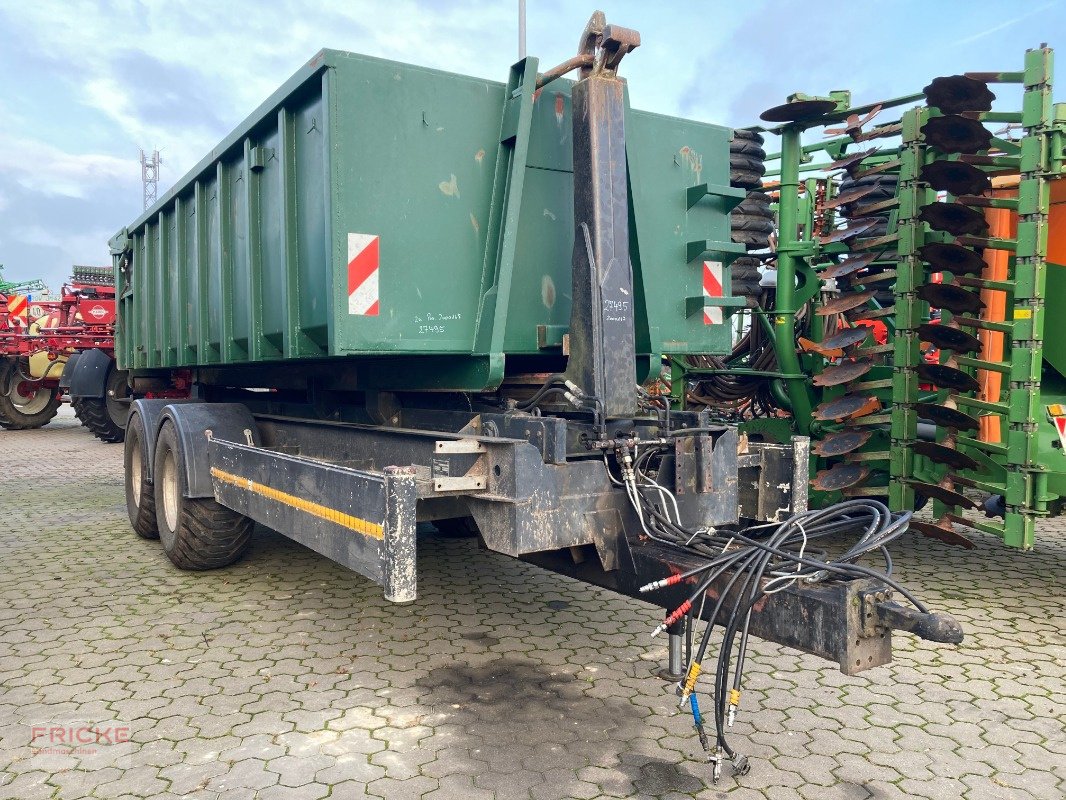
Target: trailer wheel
{"points": [[106, 416], [196, 533], [140, 498], [19, 411]]}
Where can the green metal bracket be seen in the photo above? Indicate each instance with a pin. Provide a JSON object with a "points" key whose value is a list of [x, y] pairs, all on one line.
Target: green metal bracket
{"points": [[731, 196], [722, 251], [694, 305]]}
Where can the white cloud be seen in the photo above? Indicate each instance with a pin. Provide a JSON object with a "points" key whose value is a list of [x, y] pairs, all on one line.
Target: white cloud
{"points": [[43, 168]]}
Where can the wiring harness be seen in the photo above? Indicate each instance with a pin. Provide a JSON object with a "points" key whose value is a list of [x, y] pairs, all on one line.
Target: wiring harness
{"points": [[745, 566]]}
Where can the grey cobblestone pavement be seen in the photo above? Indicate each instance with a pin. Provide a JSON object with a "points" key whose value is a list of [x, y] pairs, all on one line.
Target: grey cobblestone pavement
{"points": [[287, 676]]}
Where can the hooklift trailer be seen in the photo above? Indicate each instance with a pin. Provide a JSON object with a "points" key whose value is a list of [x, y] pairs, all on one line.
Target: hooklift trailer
{"points": [[399, 295]]}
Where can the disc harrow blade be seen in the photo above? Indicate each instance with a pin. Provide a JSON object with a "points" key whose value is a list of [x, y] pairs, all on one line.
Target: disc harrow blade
{"points": [[845, 372], [956, 178], [848, 337], [853, 160], [941, 454], [798, 111], [948, 377], [855, 228], [953, 94], [956, 219], [946, 417], [840, 476], [848, 266], [946, 337], [953, 133], [846, 302], [953, 258], [943, 534], [945, 495], [850, 406], [951, 297], [842, 442]]}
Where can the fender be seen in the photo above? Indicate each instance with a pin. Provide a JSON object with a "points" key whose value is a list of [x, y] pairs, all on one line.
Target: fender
{"points": [[88, 378], [150, 412], [232, 422], [68, 371]]}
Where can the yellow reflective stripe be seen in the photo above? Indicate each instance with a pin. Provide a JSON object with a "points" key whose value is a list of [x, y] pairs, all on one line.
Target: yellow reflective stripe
{"points": [[362, 526]]}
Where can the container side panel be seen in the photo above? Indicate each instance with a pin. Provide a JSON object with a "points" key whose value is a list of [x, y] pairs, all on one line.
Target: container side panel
{"points": [[539, 311], [191, 291], [151, 300], [313, 260], [666, 157], [413, 154], [272, 253], [213, 248], [239, 257], [172, 327]]}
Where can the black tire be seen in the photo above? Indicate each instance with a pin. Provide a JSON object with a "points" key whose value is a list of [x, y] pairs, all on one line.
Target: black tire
{"points": [[753, 240], [18, 413], [106, 416], [196, 534], [75, 403], [746, 172], [740, 135], [140, 497], [457, 528], [747, 147], [745, 278], [756, 204], [758, 224]]}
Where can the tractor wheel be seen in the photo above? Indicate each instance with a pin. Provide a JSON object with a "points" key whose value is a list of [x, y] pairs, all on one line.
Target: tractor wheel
{"points": [[18, 411], [140, 498], [197, 533], [106, 416]]}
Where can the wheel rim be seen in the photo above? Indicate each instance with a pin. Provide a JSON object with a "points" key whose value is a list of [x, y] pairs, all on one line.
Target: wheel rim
{"points": [[116, 392], [136, 466], [33, 404], [171, 490]]}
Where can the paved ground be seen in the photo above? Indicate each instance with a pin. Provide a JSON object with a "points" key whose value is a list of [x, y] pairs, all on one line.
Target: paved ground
{"points": [[289, 677]]}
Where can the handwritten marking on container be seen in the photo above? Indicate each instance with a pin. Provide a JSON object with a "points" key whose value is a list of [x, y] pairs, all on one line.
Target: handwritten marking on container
{"points": [[433, 324], [450, 187], [364, 260], [549, 215], [476, 225]]}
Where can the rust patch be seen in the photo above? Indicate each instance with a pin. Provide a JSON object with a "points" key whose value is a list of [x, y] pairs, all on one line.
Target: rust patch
{"points": [[450, 187], [474, 223], [479, 156], [560, 106], [692, 159], [547, 291]]}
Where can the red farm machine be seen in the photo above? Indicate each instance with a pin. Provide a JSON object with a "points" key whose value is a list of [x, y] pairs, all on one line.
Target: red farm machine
{"points": [[56, 347]]}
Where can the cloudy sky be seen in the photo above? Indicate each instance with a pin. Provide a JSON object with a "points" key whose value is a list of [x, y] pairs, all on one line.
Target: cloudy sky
{"points": [[84, 84]]}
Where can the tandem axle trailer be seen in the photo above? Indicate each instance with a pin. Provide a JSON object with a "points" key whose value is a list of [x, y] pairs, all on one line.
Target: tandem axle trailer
{"points": [[564, 247]]}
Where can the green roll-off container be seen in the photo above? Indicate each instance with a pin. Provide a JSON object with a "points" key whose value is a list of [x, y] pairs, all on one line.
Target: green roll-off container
{"points": [[422, 222]]}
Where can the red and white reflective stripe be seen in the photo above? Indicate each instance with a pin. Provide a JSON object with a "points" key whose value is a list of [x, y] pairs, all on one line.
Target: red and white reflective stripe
{"points": [[363, 261], [712, 287], [18, 306]]}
